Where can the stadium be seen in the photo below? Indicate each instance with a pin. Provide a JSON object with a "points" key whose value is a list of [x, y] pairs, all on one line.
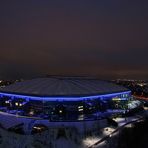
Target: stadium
{"points": [[61, 99]]}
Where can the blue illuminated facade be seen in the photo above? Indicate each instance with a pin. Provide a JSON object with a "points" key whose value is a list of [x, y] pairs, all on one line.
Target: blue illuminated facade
{"points": [[63, 108], [105, 96]]}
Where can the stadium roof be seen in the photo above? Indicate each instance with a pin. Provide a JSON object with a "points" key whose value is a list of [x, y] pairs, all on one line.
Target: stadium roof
{"points": [[62, 87]]}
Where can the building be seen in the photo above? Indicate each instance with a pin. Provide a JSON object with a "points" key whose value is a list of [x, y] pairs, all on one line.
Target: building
{"points": [[62, 99]]}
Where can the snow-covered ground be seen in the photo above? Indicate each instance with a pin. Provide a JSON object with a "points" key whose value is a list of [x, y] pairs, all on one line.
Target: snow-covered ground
{"points": [[65, 137], [111, 132]]}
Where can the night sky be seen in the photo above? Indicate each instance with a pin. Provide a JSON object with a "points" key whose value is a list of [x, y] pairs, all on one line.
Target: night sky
{"points": [[103, 38]]}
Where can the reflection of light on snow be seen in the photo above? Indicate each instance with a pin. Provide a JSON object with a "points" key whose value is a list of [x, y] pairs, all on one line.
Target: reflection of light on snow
{"points": [[146, 108], [142, 120], [122, 121], [108, 131], [90, 141], [129, 126]]}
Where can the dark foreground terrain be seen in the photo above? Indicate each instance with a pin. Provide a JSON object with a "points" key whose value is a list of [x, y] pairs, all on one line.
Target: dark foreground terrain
{"points": [[134, 137]]}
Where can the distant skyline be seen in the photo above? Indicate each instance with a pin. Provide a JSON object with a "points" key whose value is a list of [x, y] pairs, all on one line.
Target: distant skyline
{"points": [[106, 39]]}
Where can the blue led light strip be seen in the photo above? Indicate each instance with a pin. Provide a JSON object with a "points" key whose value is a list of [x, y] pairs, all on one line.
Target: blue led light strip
{"points": [[63, 98]]}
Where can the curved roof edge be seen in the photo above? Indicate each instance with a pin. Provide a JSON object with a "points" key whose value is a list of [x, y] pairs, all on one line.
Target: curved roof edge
{"points": [[62, 98], [63, 87]]}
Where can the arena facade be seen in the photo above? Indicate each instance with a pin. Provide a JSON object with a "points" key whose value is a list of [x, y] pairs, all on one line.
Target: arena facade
{"points": [[62, 99]]}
